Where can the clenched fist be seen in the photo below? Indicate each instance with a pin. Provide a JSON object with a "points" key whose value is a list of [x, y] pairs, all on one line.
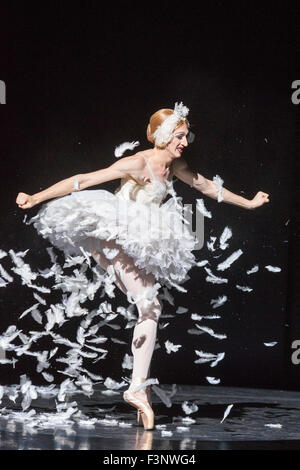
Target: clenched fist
{"points": [[258, 200], [25, 201]]}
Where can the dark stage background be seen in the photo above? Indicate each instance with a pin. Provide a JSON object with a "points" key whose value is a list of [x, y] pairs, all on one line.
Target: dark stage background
{"points": [[81, 78]]}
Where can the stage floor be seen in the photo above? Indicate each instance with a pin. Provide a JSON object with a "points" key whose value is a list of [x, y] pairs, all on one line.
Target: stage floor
{"points": [[258, 419]]}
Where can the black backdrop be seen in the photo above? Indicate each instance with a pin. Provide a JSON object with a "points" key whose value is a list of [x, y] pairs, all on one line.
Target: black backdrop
{"points": [[84, 77]]}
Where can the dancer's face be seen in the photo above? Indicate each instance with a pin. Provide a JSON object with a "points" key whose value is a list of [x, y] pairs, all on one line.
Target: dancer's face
{"points": [[179, 141]]}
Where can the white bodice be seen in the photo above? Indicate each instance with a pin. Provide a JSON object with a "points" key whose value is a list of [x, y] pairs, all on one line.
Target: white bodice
{"points": [[153, 192]]}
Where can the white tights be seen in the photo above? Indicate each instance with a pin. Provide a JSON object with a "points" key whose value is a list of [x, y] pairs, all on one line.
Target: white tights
{"points": [[128, 278]]}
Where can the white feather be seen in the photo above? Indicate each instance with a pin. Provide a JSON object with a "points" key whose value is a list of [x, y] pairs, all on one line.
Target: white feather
{"points": [[253, 270], [145, 384], [273, 269], [120, 149], [219, 183], [5, 274], [201, 207], [227, 411], [214, 279], [113, 385], [211, 332], [219, 301], [170, 347], [2, 254], [244, 288], [212, 380], [227, 233], [228, 262], [189, 409], [127, 362], [162, 395]]}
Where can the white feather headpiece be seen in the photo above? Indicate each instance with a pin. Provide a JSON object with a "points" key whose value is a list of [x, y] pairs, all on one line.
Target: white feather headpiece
{"points": [[164, 132]]}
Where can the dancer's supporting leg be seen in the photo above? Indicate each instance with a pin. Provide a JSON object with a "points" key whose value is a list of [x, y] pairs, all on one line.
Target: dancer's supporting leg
{"points": [[130, 279]]}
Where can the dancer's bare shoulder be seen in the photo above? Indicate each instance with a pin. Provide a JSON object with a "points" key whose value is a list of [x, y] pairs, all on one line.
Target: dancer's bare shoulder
{"points": [[134, 167]]}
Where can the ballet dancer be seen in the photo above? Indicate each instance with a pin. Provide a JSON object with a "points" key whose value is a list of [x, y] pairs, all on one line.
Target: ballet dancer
{"points": [[138, 261]]}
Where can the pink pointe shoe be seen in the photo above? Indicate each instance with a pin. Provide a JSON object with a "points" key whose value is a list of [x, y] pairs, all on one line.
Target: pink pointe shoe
{"points": [[140, 401], [139, 415]]}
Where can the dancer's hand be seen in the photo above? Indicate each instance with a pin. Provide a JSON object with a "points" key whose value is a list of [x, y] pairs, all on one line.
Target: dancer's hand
{"points": [[25, 201], [258, 200]]}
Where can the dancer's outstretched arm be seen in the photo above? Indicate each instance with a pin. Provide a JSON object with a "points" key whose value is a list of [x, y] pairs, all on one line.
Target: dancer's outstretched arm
{"points": [[209, 188], [126, 166]]}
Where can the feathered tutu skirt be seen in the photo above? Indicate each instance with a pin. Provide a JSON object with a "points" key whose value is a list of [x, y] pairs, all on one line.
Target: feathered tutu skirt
{"points": [[155, 236]]}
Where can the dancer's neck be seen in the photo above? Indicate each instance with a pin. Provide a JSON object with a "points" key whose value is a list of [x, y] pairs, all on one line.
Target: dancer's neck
{"points": [[162, 157]]}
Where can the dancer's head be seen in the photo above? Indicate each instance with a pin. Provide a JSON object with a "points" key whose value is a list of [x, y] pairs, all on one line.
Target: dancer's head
{"points": [[168, 129]]}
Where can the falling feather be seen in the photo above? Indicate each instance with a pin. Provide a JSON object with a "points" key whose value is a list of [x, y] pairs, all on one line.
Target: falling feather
{"points": [[253, 270], [2, 254], [162, 326], [127, 362], [3, 283], [113, 385], [228, 262], [219, 301], [210, 244], [211, 332], [5, 274], [227, 411], [99, 340], [201, 207], [162, 395], [202, 263], [193, 331], [39, 299], [48, 377], [273, 269], [209, 357], [170, 347], [181, 310], [227, 233], [121, 149], [37, 316], [117, 341], [219, 183], [244, 288], [214, 279], [9, 361], [8, 336], [145, 384]]}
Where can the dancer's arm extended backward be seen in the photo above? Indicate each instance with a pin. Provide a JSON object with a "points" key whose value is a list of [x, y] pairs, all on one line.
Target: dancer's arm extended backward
{"points": [[209, 188], [127, 166]]}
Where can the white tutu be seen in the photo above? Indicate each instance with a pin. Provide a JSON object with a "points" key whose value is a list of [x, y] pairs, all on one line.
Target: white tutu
{"points": [[153, 234]]}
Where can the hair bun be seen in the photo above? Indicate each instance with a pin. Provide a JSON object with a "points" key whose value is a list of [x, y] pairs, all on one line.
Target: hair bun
{"points": [[150, 137]]}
